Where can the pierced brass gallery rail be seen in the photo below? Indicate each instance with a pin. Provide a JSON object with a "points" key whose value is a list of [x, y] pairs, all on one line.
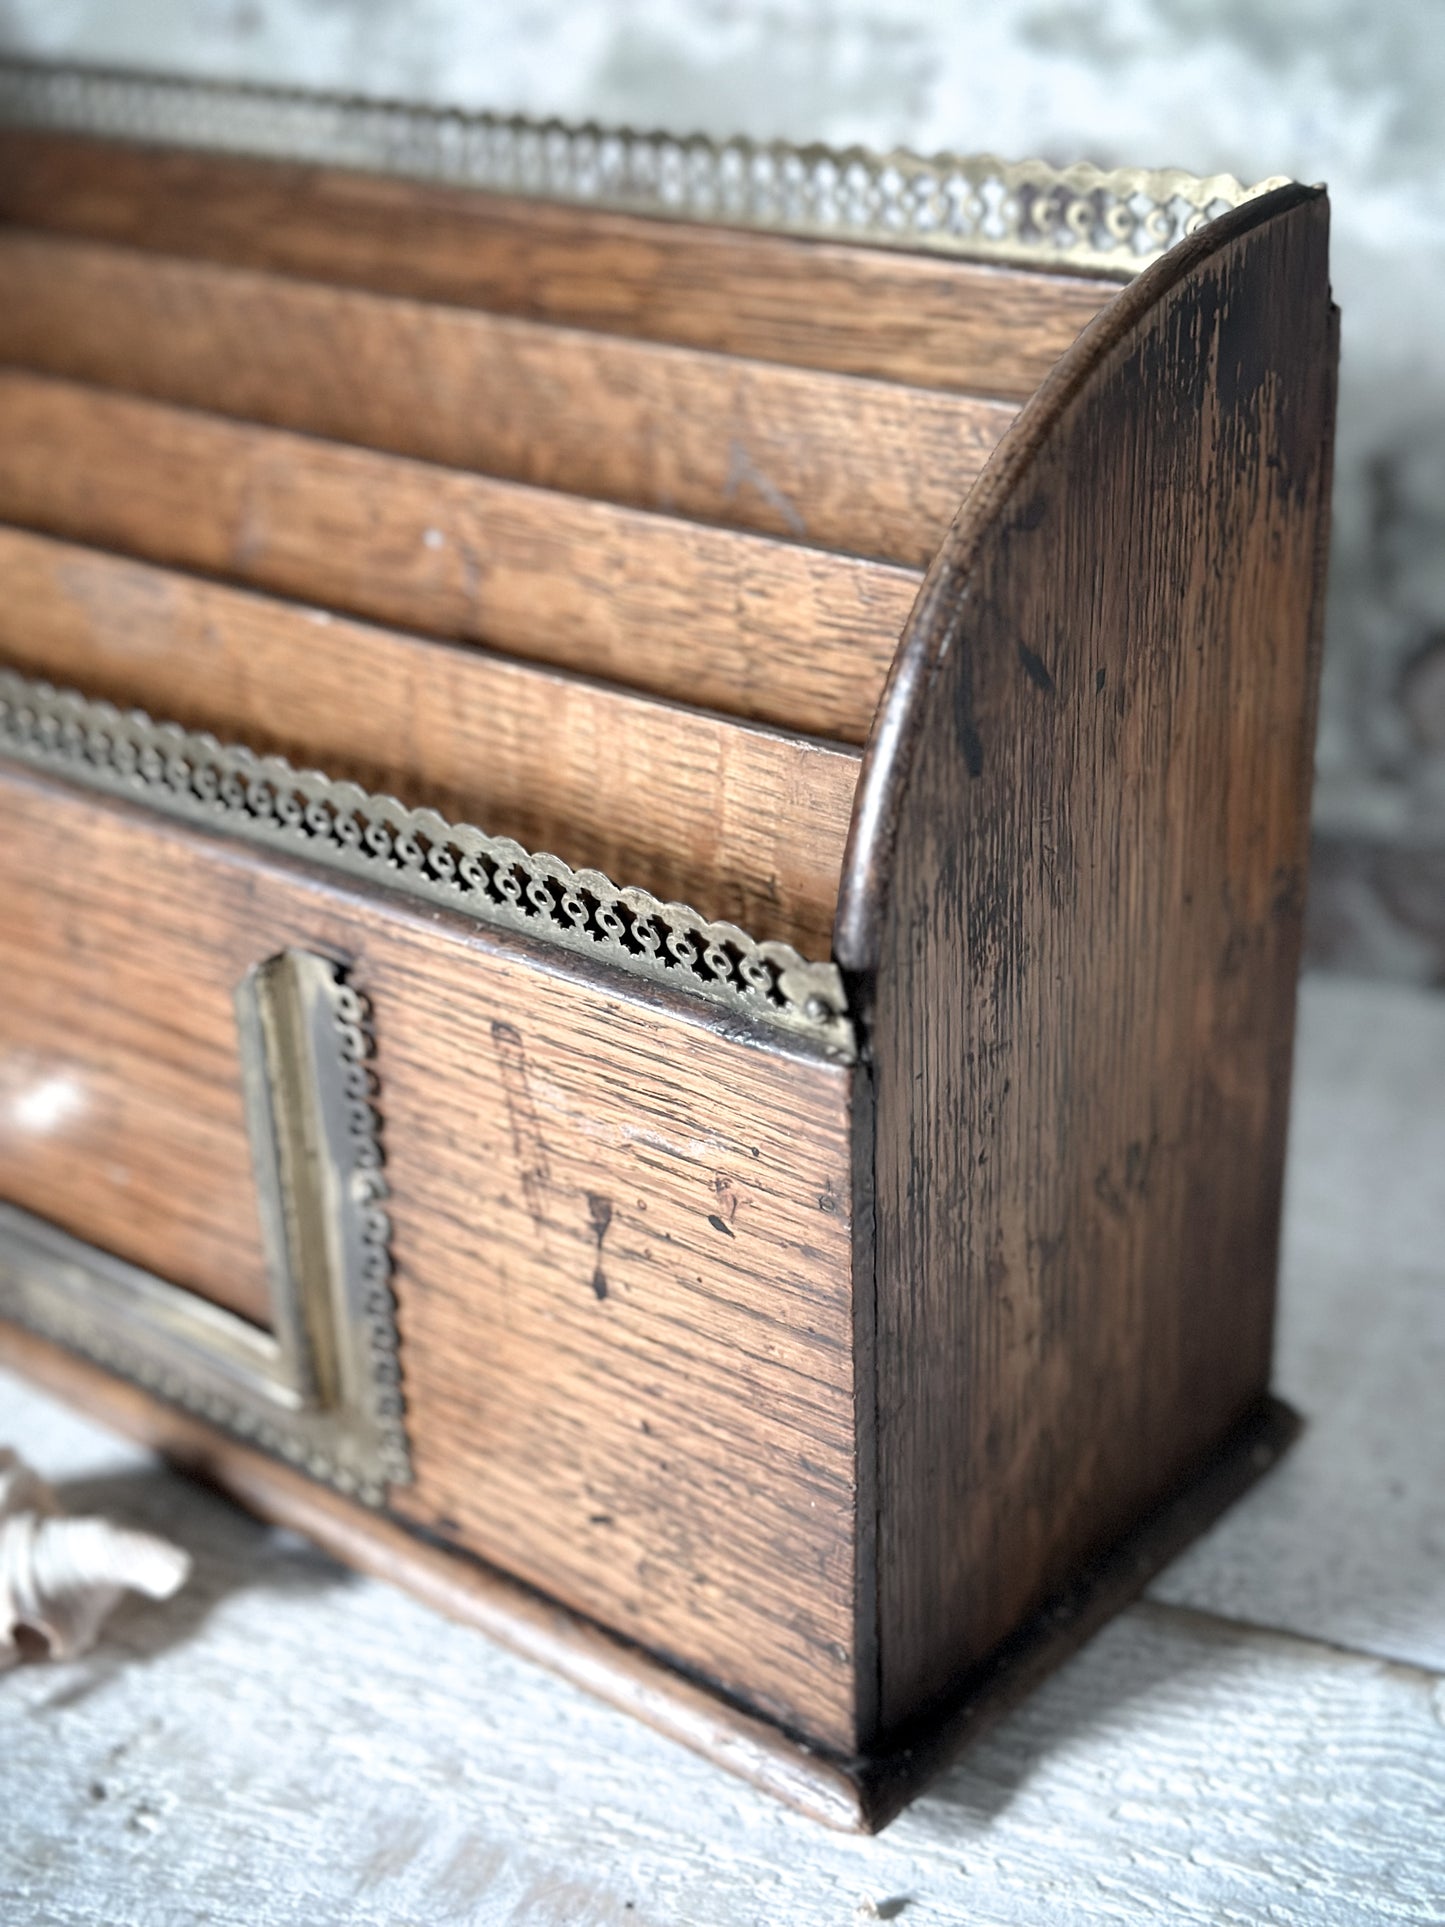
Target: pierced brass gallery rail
{"points": [[379, 841], [1097, 220]]}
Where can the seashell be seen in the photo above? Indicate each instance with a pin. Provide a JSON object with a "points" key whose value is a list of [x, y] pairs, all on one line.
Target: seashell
{"points": [[60, 1577]]}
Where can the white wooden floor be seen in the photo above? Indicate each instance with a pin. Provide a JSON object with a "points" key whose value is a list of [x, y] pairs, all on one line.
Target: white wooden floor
{"points": [[1263, 1740]]}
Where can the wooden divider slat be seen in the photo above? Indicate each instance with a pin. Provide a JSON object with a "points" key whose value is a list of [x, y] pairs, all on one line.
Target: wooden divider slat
{"points": [[763, 629], [743, 823], [819, 304], [870, 468]]}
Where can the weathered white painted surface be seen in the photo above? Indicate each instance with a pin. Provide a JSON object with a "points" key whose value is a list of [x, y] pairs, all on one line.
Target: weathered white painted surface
{"points": [[1346, 1542], [284, 1743], [1367, 1136]]}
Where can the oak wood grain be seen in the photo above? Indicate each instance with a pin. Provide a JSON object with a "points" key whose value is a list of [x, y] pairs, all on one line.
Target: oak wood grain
{"points": [[862, 1794], [868, 467], [621, 1229], [1212, 1725], [817, 304], [1183, 1768], [121, 1111], [740, 822], [1074, 895], [827, 1384], [725, 620], [474, 1595]]}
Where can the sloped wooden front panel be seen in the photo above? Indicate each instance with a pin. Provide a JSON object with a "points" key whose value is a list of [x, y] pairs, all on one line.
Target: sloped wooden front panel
{"points": [[621, 1234]]}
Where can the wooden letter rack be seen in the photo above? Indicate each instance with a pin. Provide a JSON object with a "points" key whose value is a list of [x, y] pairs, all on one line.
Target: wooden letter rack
{"points": [[801, 1253]]}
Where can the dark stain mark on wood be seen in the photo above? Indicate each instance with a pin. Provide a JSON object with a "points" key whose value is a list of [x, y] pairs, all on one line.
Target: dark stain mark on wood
{"points": [[525, 1126], [1036, 669], [1115, 1188], [600, 1210], [969, 743], [1242, 941], [1288, 900], [1039, 894], [1027, 518], [727, 1200]]}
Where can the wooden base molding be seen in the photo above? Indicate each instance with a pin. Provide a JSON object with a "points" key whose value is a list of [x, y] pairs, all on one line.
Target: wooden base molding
{"points": [[860, 1794]]}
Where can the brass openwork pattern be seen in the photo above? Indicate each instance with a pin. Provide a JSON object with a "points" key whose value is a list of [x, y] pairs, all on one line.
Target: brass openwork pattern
{"points": [[380, 840], [1100, 220], [365, 1192], [321, 1386]]}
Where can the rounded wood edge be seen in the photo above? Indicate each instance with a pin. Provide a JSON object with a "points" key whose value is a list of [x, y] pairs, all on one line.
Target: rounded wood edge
{"points": [[868, 858]]}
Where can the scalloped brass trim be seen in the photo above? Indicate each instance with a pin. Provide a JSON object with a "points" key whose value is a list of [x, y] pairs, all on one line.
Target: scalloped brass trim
{"points": [[1110, 221], [382, 842]]}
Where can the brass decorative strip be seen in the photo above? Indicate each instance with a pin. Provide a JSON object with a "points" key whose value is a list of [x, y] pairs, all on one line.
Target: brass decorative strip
{"points": [[381, 842], [1096, 220], [322, 1386]]}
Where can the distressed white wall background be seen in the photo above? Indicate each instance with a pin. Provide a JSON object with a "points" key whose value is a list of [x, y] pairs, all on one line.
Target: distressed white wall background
{"points": [[1347, 91]]}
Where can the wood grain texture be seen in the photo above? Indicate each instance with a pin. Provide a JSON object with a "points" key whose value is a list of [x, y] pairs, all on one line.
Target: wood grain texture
{"points": [[767, 630], [861, 311], [659, 1362], [1074, 896], [621, 1232], [463, 1590], [390, 1766], [858, 1794], [867, 467], [121, 1114], [740, 822]]}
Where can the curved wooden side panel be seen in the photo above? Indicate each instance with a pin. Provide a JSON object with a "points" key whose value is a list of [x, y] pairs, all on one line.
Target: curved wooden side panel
{"points": [[1072, 905]]}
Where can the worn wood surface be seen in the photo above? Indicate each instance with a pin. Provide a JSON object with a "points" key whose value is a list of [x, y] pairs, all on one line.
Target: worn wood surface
{"points": [[622, 1231], [857, 1793], [285, 1743], [465, 1590], [1075, 890], [742, 823], [121, 1115], [726, 620], [878, 312], [1018, 1288], [868, 467]]}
